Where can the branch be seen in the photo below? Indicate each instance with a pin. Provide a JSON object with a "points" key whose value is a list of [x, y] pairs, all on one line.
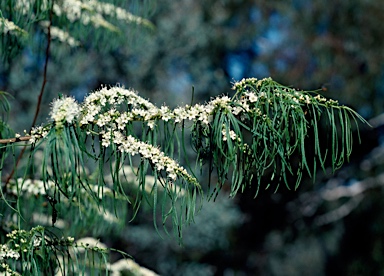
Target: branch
{"points": [[339, 213], [310, 202], [15, 140], [354, 189], [355, 192], [377, 121]]}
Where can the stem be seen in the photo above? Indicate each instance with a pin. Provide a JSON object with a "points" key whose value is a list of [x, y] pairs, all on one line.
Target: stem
{"points": [[40, 95], [14, 140]]}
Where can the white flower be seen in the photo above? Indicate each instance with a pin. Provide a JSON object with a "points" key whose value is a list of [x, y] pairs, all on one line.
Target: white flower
{"points": [[172, 175], [221, 101], [89, 242], [9, 26], [64, 110], [122, 120], [106, 139], [37, 242], [6, 252], [180, 114], [61, 35], [30, 187], [232, 134], [151, 124], [252, 97], [118, 137], [103, 119], [205, 118], [165, 113], [192, 113], [129, 265], [237, 110]]}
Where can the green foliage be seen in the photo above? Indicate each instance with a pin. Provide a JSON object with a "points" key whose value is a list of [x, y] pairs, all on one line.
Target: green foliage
{"points": [[71, 22], [4, 109], [42, 252], [267, 124], [116, 133]]}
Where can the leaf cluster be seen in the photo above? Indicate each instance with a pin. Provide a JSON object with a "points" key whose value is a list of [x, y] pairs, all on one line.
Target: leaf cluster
{"points": [[271, 125]]}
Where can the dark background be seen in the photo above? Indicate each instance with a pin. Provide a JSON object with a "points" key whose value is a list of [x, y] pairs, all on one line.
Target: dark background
{"points": [[335, 46]]}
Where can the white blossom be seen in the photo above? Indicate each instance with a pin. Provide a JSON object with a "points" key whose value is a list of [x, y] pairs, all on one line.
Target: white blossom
{"points": [[7, 26], [122, 265], [8, 253], [64, 110], [252, 97], [151, 124], [60, 34], [165, 113], [29, 186], [180, 114], [36, 241], [89, 243]]}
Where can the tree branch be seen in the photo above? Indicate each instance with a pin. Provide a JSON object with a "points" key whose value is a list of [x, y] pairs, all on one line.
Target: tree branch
{"points": [[354, 189], [15, 140], [340, 212]]}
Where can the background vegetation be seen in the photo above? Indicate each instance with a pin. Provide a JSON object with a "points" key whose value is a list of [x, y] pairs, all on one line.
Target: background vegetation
{"points": [[332, 226]]}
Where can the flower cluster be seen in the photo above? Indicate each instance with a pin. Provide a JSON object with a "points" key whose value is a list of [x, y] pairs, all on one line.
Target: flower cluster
{"points": [[64, 110], [23, 6], [141, 109], [36, 187], [70, 8], [101, 108], [112, 10], [248, 83], [90, 243], [92, 11], [131, 267], [61, 35], [201, 113], [8, 253], [232, 134], [111, 97], [254, 90], [7, 26], [129, 144], [29, 186], [8, 270], [20, 241], [38, 133]]}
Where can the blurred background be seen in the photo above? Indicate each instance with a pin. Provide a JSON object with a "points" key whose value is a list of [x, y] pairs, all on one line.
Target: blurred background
{"points": [[331, 226]]}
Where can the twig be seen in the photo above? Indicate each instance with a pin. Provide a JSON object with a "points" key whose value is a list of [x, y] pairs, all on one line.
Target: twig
{"points": [[308, 204], [340, 212], [377, 121], [15, 140], [354, 189]]}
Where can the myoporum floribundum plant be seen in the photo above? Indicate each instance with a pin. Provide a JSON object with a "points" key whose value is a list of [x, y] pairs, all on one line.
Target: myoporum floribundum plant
{"points": [[258, 129], [91, 150]]}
